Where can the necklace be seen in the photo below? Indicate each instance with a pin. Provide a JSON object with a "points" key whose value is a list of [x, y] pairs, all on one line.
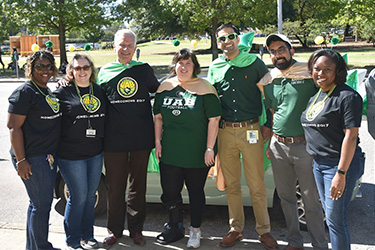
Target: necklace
{"points": [[315, 109], [50, 98], [87, 100]]}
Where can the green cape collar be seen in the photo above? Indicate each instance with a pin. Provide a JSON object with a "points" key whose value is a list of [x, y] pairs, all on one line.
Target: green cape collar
{"points": [[113, 69], [220, 66]]}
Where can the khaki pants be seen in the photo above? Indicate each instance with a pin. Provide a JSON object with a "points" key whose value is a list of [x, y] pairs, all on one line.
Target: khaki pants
{"points": [[232, 142]]}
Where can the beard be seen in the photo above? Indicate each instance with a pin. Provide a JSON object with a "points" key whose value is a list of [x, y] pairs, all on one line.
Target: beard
{"points": [[284, 64]]}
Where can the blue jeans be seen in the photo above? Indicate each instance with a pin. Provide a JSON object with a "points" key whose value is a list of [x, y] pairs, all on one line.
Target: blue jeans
{"points": [[40, 190], [325, 169], [82, 178]]}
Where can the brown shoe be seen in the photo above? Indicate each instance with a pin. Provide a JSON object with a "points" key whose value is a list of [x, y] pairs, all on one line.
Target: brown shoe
{"points": [[138, 238], [230, 239], [110, 239], [268, 241], [290, 247]]}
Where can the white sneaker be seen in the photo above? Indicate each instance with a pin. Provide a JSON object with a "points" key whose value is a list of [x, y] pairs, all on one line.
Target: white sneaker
{"points": [[195, 238]]}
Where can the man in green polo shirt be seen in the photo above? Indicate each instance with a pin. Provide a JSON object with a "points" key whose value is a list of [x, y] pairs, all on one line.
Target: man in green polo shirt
{"points": [[289, 88], [235, 75]]}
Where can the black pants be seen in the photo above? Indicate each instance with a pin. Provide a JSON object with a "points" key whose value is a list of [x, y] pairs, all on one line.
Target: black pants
{"points": [[120, 166], [172, 180]]}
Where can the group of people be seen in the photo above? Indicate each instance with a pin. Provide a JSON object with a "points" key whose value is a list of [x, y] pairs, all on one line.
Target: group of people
{"points": [[306, 111]]}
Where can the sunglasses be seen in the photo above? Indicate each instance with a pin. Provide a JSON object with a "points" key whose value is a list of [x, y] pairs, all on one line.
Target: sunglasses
{"points": [[85, 68], [279, 51], [230, 37], [43, 67]]}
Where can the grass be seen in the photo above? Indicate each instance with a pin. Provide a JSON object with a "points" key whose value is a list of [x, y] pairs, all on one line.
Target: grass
{"points": [[159, 54]]}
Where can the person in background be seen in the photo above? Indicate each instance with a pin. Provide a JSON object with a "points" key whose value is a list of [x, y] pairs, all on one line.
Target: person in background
{"points": [[331, 122], [1, 60], [34, 122], [289, 88], [187, 113], [129, 137], [235, 76], [80, 151]]}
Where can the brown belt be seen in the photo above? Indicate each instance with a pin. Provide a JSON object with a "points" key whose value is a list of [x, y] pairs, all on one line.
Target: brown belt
{"points": [[289, 139], [241, 124]]}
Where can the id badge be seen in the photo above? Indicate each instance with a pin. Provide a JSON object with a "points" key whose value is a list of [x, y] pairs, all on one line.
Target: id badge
{"points": [[252, 136], [91, 133]]}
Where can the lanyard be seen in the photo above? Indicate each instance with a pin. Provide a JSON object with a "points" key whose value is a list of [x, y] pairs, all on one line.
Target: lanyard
{"points": [[50, 98], [88, 107], [314, 109]]}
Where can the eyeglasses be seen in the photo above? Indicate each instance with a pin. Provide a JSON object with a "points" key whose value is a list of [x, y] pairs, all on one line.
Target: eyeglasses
{"points": [[85, 68], [280, 50], [230, 37], [42, 67]]}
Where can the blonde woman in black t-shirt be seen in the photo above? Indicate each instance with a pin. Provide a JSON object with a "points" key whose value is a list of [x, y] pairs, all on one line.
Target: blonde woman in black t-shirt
{"points": [[80, 152]]}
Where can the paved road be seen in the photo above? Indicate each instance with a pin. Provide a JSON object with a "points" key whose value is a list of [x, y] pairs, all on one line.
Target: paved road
{"points": [[14, 201]]}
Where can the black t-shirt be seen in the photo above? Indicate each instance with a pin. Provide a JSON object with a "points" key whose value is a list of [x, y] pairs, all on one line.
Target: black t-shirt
{"points": [[324, 130], [74, 143], [129, 122], [41, 129]]}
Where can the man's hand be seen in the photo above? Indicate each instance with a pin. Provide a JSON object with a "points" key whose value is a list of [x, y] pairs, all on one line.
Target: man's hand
{"points": [[266, 133]]}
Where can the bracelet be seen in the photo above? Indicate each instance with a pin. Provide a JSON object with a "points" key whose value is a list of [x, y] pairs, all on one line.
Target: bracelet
{"points": [[210, 149], [18, 162], [341, 171]]}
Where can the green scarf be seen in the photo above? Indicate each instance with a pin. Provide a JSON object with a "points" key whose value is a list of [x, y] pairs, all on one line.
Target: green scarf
{"points": [[220, 66], [113, 69]]}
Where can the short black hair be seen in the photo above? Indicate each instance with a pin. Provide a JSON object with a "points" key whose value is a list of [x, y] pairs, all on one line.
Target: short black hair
{"points": [[227, 25], [184, 54], [338, 60]]}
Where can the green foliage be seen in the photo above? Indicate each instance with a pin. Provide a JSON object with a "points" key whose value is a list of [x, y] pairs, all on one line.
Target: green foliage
{"points": [[60, 16]]}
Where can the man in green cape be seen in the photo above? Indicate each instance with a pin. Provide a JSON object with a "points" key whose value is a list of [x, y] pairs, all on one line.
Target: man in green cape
{"points": [[129, 137], [235, 76]]}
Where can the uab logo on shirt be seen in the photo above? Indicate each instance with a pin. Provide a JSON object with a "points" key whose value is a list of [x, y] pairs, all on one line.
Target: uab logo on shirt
{"points": [[53, 103], [90, 103], [127, 87]]}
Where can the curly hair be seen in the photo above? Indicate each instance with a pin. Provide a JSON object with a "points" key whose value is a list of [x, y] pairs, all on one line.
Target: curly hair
{"points": [[38, 55], [184, 54], [337, 59], [69, 69]]}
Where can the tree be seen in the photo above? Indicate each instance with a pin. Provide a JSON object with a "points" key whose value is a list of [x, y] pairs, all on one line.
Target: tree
{"points": [[61, 16]]}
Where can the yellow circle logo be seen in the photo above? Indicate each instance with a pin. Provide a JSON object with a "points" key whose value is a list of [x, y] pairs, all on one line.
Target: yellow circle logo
{"points": [[127, 87]]}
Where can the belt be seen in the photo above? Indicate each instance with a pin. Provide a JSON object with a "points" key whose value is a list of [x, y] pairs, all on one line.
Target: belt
{"points": [[289, 139], [241, 124]]}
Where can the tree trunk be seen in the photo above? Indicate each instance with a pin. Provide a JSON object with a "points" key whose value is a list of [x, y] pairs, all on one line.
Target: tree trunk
{"points": [[215, 52], [302, 42], [62, 38]]}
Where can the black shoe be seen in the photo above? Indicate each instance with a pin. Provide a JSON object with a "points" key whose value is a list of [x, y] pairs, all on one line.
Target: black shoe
{"points": [[170, 234]]}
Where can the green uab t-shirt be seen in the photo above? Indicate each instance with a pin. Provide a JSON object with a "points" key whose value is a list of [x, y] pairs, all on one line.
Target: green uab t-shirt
{"points": [[185, 123]]}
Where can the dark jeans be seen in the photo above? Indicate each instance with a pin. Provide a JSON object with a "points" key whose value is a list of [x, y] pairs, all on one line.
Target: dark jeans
{"points": [[40, 190], [172, 180], [325, 169], [120, 166]]}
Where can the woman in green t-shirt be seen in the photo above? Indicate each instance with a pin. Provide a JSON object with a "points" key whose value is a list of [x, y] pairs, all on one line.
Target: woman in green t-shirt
{"points": [[187, 113]]}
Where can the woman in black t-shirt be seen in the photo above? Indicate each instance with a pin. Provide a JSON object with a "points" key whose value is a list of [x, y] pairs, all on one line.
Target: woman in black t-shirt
{"points": [[331, 123], [34, 123], [80, 152]]}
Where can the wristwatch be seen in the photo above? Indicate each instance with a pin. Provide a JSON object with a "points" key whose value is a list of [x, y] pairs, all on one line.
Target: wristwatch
{"points": [[210, 149], [341, 171]]}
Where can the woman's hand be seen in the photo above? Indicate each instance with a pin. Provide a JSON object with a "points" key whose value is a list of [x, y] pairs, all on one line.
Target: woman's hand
{"points": [[209, 157], [337, 186], [24, 170], [158, 152]]}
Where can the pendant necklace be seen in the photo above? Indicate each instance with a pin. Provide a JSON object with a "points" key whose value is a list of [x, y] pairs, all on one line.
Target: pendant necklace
{"points": [[316, 108]]}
